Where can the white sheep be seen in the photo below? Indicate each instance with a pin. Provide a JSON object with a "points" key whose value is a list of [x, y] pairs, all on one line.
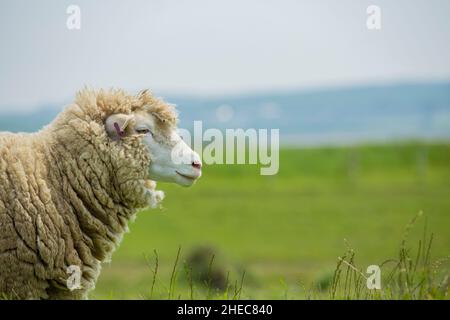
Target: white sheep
{"points": [[68, 191]]}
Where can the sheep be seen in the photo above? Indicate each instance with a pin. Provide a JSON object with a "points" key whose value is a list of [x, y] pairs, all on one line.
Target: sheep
{"points": [[68, 192]]}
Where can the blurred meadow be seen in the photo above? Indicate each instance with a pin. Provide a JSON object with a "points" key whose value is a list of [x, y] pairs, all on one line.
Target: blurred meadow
{"points": [[287, 231]]}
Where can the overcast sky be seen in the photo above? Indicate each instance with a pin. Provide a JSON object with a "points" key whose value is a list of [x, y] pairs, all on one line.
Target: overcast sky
{"points": [[216, 47]]}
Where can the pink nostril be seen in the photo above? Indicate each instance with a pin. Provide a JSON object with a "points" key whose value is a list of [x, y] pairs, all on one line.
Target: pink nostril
{"points": [[197, 165]]}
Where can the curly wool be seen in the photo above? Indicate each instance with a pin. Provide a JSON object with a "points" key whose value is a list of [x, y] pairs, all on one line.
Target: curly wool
{"points": [[68, 192]]}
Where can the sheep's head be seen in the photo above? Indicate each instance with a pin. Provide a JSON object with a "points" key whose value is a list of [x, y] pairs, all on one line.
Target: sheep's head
{"points": [[154, 122], [126, 142]]}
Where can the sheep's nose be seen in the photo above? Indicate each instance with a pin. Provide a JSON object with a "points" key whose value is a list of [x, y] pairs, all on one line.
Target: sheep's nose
{"points": [[197, 164]]}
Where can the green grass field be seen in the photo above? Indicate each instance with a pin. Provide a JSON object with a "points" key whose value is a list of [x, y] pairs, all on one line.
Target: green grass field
{"points": [[288, 230]]}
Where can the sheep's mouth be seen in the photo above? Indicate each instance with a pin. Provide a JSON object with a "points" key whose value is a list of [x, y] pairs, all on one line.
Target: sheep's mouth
{"points": [[187, 176]]}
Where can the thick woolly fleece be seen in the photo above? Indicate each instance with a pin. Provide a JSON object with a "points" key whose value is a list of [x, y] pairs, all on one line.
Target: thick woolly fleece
{"points": [[68, 192]]}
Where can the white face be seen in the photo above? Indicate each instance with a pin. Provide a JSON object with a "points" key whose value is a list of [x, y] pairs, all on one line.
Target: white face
{"points": [[171, 161]]}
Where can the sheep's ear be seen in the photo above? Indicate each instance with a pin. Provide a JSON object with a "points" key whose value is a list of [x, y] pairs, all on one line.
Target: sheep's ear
{"points": [[117, 125]]}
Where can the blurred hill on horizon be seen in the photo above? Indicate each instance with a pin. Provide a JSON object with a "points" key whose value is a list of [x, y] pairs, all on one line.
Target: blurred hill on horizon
{"points": [[326, 116]]}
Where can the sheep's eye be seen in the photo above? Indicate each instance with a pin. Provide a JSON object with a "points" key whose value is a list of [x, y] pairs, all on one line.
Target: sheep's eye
{"points": [[143, 131]]}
